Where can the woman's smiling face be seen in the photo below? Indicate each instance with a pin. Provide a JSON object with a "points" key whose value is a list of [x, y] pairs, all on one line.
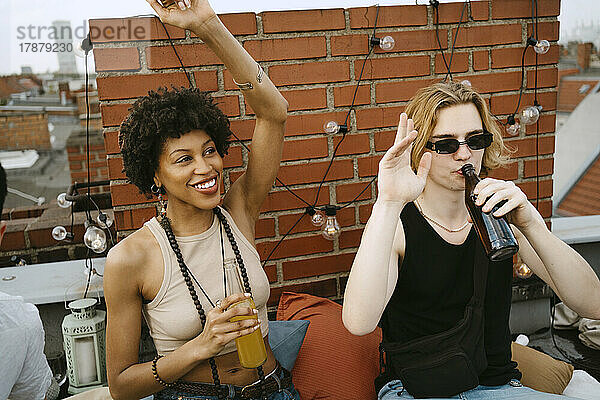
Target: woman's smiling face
{"points": [[191, 170]]}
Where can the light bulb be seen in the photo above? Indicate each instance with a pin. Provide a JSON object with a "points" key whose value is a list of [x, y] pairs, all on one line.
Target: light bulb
{"points": [[513, 128], [62, 201], [541, 46], [334, 127], [530, 115], [82, 47], [466, 83], [385, 43], [318, 219], [19, 262], [95, 239], [104, 221], [59, 233], [331, 230], [523, 271]]}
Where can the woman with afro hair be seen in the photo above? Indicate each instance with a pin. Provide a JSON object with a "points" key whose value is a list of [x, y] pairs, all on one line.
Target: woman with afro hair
{"points": [[170, 271]]}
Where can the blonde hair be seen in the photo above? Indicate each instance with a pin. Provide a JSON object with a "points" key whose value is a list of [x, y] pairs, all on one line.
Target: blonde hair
{"points": [[424, 108]]}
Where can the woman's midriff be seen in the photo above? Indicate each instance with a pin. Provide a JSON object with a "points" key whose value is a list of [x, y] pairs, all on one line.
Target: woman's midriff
{"points": [[230, 370]]}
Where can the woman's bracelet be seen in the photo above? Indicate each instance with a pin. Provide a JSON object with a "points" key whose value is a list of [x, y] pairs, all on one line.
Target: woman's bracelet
{"points": [[248, 85], [157, 378]]}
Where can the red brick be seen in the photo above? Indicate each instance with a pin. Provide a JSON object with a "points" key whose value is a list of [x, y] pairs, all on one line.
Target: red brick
{"points": [[39, 238], [305, 124], [363, 17], [394, 67], [351, 238], [509, 172], [265, 227], [352, 144], [527, 147], [115, 168], [292, 247], [305, 149], [547, 124], [384, 140], [303, 20], [460, 63], [529, 188], [506, 103], [495, 82], [114, 114], [349, 45], [511, 57], [545, 167], [522, 9], [192, 55], [387, 92], [324, 288], [127, 194], [243, 128], [416, 40], [348, 192], [286, 49], [271, 272], [480, 10], [13, 241], [379, 117], [230, 105], [450, 13], [314, 72], [344, 216], [133, 218], [233, 158], [239, 23], [546, 30], [117, 59], [545, 78], [284, 200], [342, 95], [131, 29], [306, 99], [368, 166], [488, 35], [130, 86], [481, 60], [317, 266], [313, 172]]}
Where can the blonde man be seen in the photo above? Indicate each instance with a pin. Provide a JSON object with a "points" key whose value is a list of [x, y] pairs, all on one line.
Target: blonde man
{"points": [[414, 270]]}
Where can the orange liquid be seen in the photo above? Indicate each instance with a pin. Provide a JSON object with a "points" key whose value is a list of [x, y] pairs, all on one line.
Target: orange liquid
{"points": [[251, 348]]}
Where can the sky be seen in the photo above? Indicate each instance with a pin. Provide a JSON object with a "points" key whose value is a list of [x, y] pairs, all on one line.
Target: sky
{"points": [[16, 16]]}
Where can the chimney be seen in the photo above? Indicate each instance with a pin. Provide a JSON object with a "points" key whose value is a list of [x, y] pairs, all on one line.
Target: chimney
{"points": [[583, 55]]}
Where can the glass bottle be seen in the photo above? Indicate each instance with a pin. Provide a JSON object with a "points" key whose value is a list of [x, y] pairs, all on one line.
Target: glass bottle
{"points": [[251, 348], [495, 234]]}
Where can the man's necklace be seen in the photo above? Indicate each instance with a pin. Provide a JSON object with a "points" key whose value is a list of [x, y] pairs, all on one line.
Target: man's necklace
{"points": [[438, 224]]}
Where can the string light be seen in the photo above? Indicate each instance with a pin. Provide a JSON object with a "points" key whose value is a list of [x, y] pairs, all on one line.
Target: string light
{"points": [[386, 43], [94, 238], [62, 201], [103, 220], [332, 127], [513, 127], [530, 115], [316, 217], [466, 83], [523, 271], [59, 233], [331, 229]]}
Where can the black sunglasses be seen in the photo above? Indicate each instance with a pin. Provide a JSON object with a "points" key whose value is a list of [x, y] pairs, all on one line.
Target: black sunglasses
{"points": [[449, 146]]}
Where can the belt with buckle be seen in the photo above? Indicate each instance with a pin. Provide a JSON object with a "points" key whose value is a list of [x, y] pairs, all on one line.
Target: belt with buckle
{"points": [[273, 383]]}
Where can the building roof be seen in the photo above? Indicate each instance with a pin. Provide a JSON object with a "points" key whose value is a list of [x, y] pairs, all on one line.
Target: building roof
{"points": [[574, 88], [584, 196], [16, 84]]}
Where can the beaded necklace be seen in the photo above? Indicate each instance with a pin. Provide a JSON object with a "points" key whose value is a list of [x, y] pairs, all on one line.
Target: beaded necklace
{"points": [[185, 271]]}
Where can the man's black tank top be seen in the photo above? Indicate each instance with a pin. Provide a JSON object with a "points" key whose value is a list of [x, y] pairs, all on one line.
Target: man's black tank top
{"points": [[435, 283]]}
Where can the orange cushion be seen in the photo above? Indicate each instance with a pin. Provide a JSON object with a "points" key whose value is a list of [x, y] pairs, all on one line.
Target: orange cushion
{"points": [[332, 363], [540, 371]]}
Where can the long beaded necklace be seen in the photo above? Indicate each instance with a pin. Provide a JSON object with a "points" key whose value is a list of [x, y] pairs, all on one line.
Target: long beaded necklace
{"points": [[185, 271]]}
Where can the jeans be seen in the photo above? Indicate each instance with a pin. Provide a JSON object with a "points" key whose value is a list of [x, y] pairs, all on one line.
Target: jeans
{"points": [[287, 393], [514, 390]]}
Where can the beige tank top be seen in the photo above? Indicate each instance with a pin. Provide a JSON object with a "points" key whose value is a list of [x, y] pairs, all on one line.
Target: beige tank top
{"points": [[171, 315]]}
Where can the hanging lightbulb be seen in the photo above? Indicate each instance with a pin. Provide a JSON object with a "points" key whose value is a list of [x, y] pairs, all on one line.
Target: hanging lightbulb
{"points": [[316, 217], [334, 127], [94, 238], [103, 220], [530, 115], [62, 201], [466, 83], [83, 47], [19, 262], [513, 128], [59, 233], [541, 46], [386, 43], [331, 229], [523, 271]]}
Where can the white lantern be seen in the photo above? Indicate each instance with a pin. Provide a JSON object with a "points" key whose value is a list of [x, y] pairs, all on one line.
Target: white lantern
{"points": [[84, 343]]}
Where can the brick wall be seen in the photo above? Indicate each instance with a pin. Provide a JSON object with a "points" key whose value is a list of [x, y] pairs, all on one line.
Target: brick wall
{"points": [[24, 131], [314, 57], [77, 157]]}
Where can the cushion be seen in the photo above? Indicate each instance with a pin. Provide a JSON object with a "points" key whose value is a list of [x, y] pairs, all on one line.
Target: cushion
{"points": [[540, 371], [332, 363], [285, 339]]}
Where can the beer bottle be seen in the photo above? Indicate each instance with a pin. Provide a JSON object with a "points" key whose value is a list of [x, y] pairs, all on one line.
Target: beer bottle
{"points": [[495, 234], [251, 348]]}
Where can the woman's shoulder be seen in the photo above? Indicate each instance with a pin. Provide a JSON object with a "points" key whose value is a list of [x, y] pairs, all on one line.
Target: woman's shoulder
{"points": [[135, 251]]}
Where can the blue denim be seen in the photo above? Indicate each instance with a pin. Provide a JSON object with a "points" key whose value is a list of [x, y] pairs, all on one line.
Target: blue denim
{"points": [[287, 393], [515, 390]]}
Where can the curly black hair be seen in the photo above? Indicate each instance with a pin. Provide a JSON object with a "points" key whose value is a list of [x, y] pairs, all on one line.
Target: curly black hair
{"points": [[165, 114]]}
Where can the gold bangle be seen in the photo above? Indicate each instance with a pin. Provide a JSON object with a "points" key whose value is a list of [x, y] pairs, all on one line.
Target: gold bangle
{"points": [[248, 85], [157, 378]]}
